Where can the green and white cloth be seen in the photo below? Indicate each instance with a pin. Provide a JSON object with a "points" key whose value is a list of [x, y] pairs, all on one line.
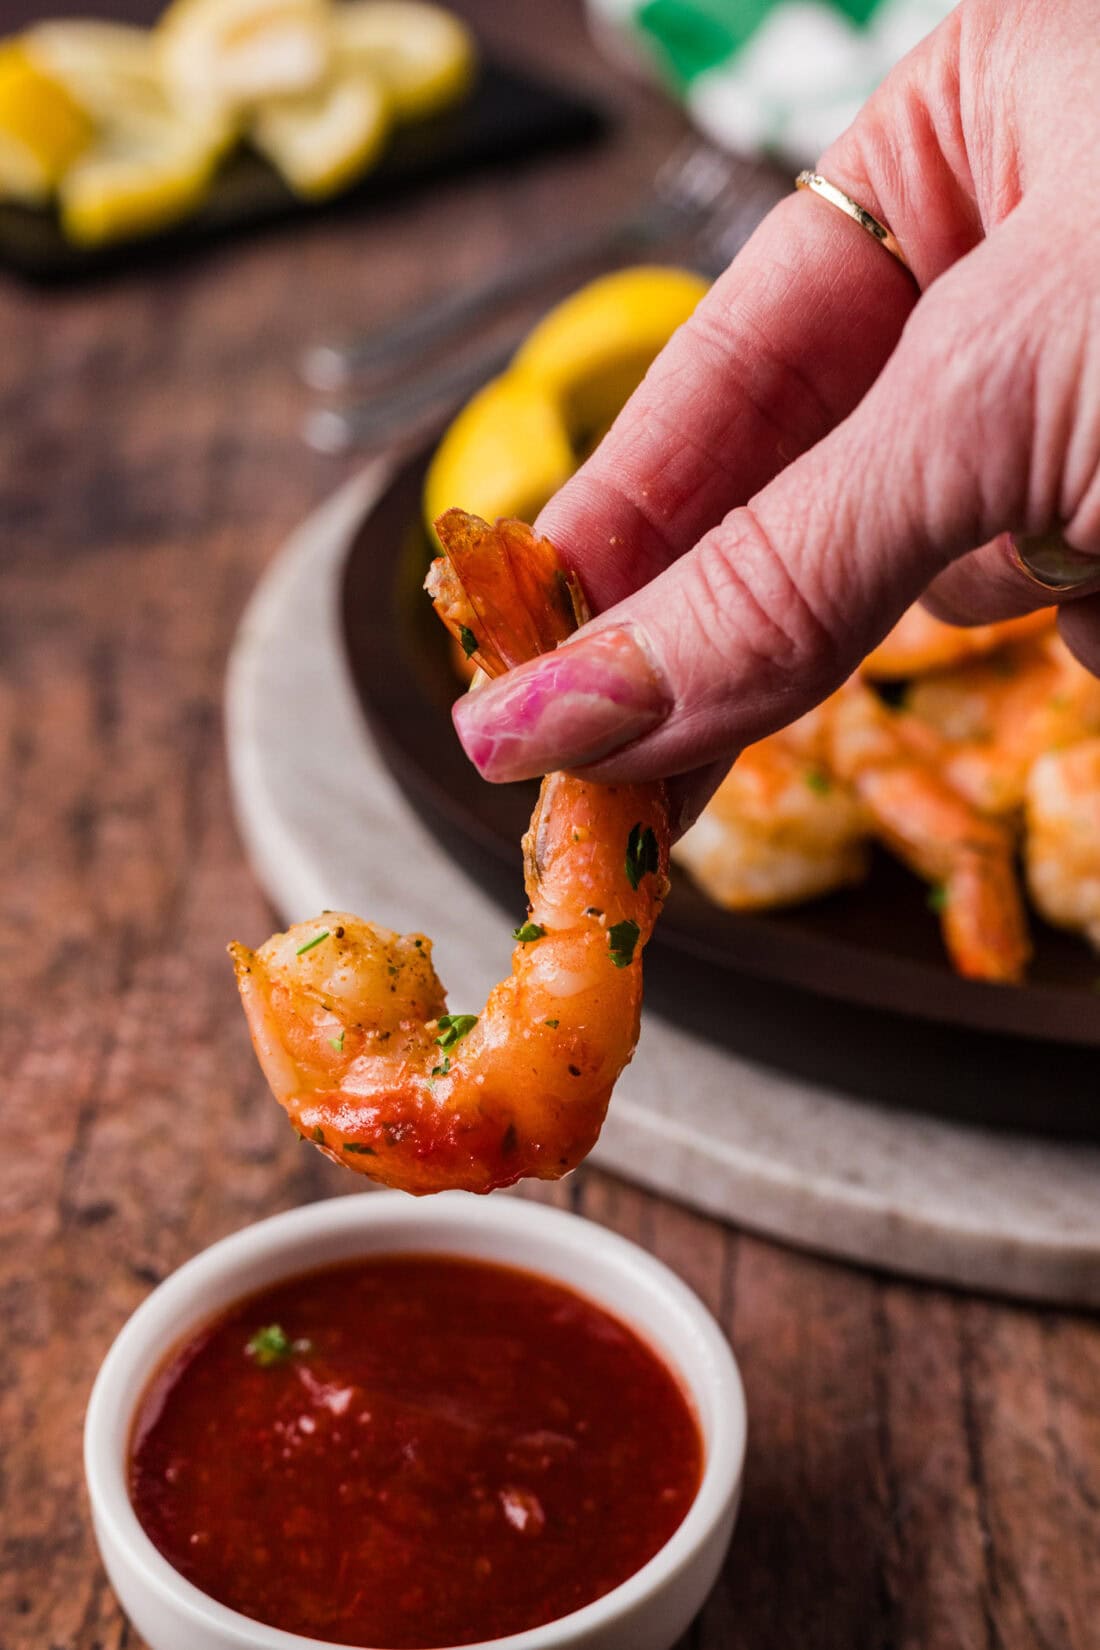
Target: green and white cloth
{"points": [[782, 76]]}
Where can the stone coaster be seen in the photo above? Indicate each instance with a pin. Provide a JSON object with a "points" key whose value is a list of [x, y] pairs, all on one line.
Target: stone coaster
{"points": [[325, 826]]}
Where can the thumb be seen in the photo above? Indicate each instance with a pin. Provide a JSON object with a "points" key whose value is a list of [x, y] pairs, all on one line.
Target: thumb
{"points": [[777, 604]]}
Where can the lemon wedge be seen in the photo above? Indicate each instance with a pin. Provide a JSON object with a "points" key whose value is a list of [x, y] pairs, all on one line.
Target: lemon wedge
{"points": [[142, 174], [147, 166], [42, 127], [321, 143], [422, 54], [523, 435], [505, 453], [592, 350], [104, 66], [229, 55]]}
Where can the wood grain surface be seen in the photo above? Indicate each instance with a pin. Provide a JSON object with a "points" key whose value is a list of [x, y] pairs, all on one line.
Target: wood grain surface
{"points": [[924, 1468]]}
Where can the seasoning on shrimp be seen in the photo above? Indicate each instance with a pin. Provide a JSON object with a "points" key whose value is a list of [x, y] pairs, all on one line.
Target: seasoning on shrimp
{"points": [[354, 1035]]}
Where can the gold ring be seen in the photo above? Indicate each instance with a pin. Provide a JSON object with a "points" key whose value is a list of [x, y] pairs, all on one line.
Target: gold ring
{"points": [[1055, 566], [852, 209]]}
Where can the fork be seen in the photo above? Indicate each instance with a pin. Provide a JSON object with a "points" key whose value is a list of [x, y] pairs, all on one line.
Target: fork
{"points": [[386, 417], [686, 190]]}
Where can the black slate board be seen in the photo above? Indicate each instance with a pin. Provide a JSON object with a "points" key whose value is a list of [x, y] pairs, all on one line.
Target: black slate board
{"points": [[508, 117]]}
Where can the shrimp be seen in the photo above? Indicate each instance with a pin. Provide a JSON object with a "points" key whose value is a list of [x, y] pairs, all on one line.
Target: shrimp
{"points": [[919, 642], [793, 818], [778, 830], [995, 717], [350, 1022], [966, 857], [1063, 838]]}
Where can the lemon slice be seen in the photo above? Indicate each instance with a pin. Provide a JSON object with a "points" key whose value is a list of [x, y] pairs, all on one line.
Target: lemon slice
{"points": [[228, 55], [141, 175], [42, 127], [423, 55], [102, 65], [321, 143]]}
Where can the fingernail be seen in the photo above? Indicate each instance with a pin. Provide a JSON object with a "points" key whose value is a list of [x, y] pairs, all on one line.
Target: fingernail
{"points": [[1053, 564], [565, 709]]}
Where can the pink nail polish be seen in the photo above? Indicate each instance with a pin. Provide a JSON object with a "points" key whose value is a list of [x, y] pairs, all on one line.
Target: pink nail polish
{"points": [[567, 708]]}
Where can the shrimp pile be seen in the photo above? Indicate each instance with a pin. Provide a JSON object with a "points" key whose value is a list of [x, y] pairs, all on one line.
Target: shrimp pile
{"points": [[914, 810], [350, 1022], [992, 755]]}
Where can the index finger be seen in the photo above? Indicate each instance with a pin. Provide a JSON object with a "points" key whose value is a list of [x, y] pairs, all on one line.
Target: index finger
{"points": [[787, 342], [779, 351]]}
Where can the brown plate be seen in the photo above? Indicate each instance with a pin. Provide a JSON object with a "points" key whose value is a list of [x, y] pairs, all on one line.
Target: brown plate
{"points": [[853, 990]]}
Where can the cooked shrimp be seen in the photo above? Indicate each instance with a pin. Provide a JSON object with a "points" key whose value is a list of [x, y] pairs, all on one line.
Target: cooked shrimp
{"points": [[349, 1021], [778, 830], [919, 643], [1063, 838], [996, 716], [967, 858]]}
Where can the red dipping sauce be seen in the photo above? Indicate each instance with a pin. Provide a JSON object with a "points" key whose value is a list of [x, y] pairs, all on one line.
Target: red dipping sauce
{"points": [[413, 1451]]}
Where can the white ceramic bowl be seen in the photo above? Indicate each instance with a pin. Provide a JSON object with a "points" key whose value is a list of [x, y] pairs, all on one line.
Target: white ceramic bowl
{"points": [[649, 1611]]}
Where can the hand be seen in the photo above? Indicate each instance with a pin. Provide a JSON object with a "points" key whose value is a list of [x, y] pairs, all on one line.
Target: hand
{"points": [[828, 437]]}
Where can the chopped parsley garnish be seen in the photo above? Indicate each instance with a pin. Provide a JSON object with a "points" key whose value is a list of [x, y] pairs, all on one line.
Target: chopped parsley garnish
{"points": [[937, 899], [527, 932], [642, 853], [308, 946], [338, 1042], [441, 1071], [453, 1027], [819, 782], [468, 640], [553, 1024], [319, 1135], [622, 938], [269, 1346], [362, 1151]]}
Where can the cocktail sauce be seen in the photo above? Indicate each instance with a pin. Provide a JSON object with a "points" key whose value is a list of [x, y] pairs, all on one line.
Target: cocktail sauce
{"points": [[413, 1451]]}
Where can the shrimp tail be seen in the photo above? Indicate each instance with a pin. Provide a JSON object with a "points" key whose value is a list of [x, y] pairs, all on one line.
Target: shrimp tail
{"points": [[502, 591], [983, 922]]}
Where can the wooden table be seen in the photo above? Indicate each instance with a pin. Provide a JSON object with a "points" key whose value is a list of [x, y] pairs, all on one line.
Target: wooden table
{"points": [[924, 1467]]}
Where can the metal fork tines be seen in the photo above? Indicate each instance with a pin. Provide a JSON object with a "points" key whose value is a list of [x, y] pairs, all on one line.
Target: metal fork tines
{"points": [[396, 413], [686, 190]]}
